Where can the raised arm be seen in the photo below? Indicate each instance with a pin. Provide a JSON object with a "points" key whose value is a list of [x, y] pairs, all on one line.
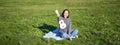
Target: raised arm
{"points": [[57, 13]]}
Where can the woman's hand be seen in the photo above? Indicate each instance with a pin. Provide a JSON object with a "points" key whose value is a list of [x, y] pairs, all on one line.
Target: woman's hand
{"points": [[69, 35], [56, 11]]}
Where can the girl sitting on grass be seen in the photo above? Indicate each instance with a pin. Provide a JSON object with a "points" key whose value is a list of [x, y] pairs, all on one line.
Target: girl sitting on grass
{"points": [[65, 25]]}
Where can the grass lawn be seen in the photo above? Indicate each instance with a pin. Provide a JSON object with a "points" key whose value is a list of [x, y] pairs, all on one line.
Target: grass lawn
{"points": [[24, 22]]}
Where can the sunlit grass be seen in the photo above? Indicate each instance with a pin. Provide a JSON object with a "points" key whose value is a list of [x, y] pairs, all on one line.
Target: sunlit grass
{"points": [[98, 21]]}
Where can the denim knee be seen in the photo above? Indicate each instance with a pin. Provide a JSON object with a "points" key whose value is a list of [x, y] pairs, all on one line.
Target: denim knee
{"points": [[74, 32], [65, 35]]}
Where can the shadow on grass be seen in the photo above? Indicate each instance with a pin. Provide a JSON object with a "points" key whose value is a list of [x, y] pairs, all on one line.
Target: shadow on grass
{"points": [[46, 28]]}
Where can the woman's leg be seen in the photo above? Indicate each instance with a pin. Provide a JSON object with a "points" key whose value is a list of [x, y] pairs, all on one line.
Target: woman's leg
{"points": [[64, 35], [56, 30], [74, 32]]}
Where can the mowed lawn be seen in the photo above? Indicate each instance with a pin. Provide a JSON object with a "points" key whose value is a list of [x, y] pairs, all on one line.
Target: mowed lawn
{"points": [[24, 22]]}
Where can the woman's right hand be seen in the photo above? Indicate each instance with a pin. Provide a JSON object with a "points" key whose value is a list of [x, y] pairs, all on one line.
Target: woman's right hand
{"points": [[56, 11]]}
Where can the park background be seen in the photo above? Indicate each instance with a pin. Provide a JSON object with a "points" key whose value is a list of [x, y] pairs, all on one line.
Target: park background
{"points": [[24, 22]]}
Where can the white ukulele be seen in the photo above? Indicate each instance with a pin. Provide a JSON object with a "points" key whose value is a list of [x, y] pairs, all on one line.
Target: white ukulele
{"points": [[62, 24]]}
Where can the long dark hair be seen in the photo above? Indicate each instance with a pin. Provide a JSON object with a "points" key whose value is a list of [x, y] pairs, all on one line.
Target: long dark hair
{"points": [[64, 12]]}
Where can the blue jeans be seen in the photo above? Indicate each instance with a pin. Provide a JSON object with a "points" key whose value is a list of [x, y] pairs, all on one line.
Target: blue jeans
{"points": [[73, 34], [65, 35]]}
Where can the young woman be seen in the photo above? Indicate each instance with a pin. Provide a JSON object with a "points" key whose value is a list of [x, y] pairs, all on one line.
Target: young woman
{"points": [[65, 25]]}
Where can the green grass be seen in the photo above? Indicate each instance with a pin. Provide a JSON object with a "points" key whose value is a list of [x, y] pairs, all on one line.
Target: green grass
{"points": [[98, 21]]}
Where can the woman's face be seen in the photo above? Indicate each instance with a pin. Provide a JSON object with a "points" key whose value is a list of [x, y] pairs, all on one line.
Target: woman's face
{"points": [[66, 14]]}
